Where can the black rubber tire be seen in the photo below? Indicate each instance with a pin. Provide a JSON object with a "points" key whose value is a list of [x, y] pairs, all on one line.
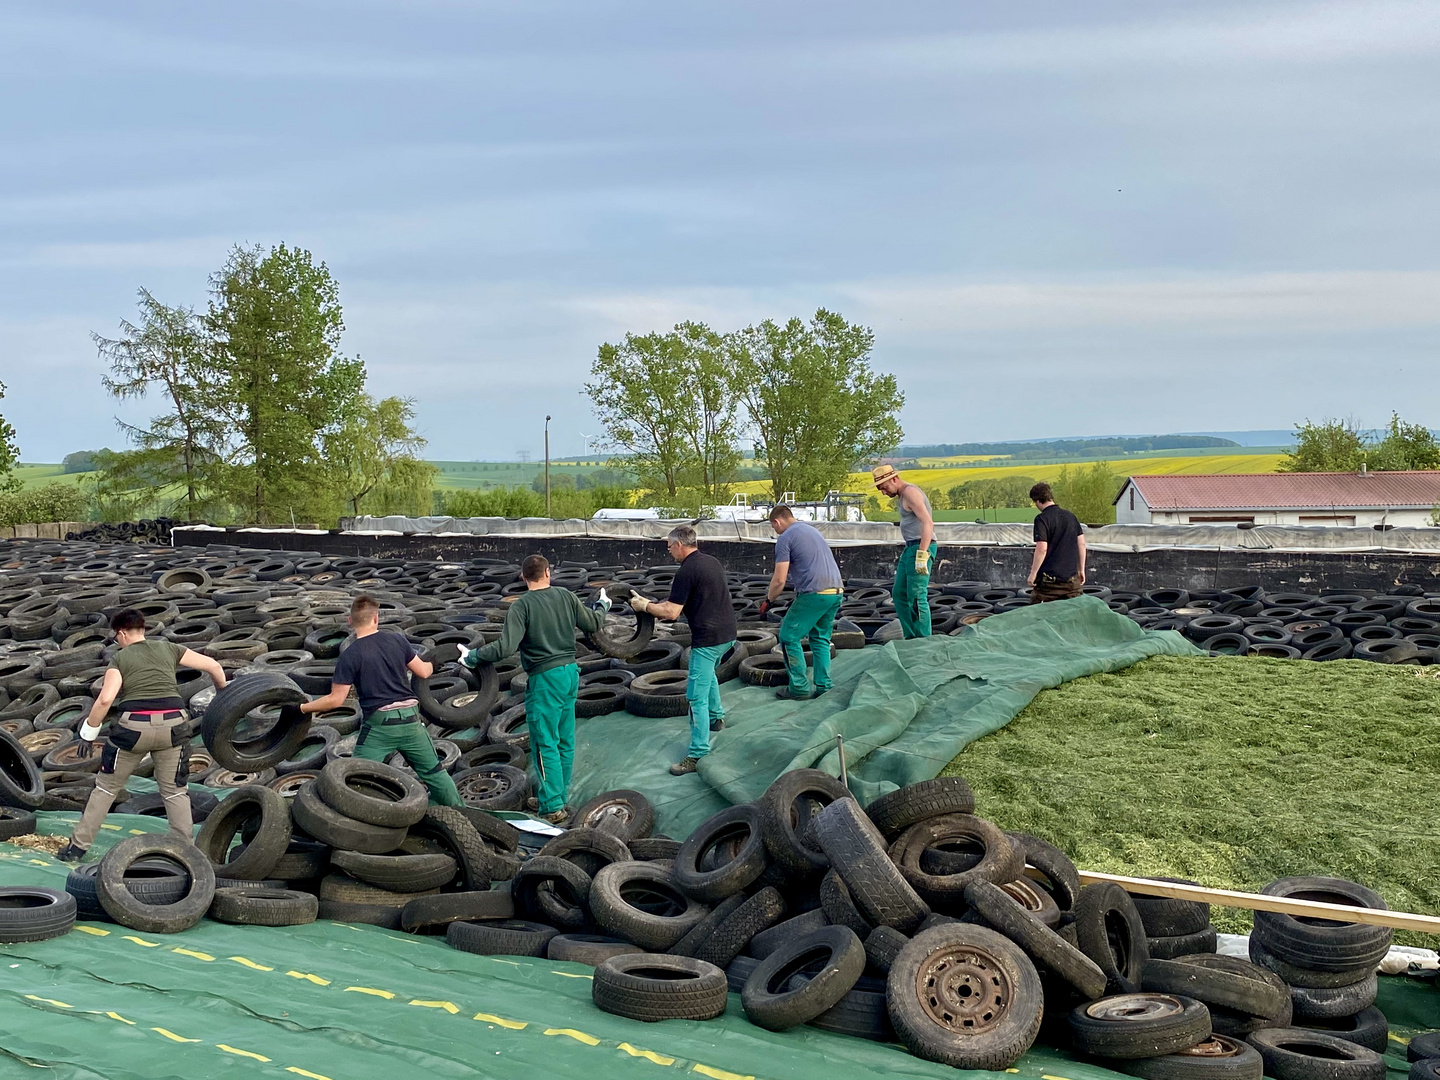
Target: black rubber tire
{"points": [[263, 849], [627, 814], [617, 884], [303, 860], [1314, 1003], [737, 828], [782, 933], [657, 694], [493, 787], [313, 751], [500, 937], [1003, 860], [653, 988], [739, 971], [156, 881], [1139, 1025], [341, 832], [398, 873], [493, 754], [455, 833], [464, 708], [435, 912], [1171, 948], [787, 809], [1164, 916], [15, 822], [20, 783], [30, 913], [833, 957], [381, 915], [230, 706], [756, 915], [254, 906], [552, 890], [897, 811], [1110, 932], [610, 639], [1368, 1028], [653, 848], [1300, 975], [372, 792], [1423, 1046], [1297, 1054], [764, 670], [343, 889], [589, 849], [1047, 948], [701, 931], [589, 949], [1217, 1058], [839, 907], [598, 701], [1217, 987], [1322, 944], [1062, 879], [1005, 1019], [856, 850], [122, 905], [883, 945]]}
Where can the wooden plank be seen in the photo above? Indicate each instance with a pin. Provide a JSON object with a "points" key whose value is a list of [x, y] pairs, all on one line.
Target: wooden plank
{"points": [[1400, 920]]}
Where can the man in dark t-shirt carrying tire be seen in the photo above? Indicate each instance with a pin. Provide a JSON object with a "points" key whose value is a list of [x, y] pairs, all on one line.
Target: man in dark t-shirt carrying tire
{"points": [[1057, 572], [379, 665], [700, 593]]}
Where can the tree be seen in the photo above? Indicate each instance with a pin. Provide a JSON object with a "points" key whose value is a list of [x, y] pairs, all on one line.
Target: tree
{"points": [[1329, 446], [1405, 446], [81, 461], [275, 323], [1090, 493], [167, 349], [810, 393], [666, 401], [373, 454], [1007, 491], [9, 453]]}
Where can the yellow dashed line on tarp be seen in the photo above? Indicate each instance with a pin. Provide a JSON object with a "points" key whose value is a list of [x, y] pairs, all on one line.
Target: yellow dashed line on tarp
{"points": [[448, 1006], [192, 952], [117, 1016], [50, 1001], [718, 1074], [500, 1021], [316, 979], [571, 975], [1047, 1076], [306, 1072], [1397, 1038], [250, 963], [386, 994], [496, 960], [142, 941], [92, 930], [648, 1055], [115, 828], [578, 1036], [242, 1053], [173, 1036]]}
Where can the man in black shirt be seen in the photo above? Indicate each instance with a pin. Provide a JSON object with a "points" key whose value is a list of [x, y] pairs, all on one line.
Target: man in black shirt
{"points": [[1058, 569], [700, 593]]}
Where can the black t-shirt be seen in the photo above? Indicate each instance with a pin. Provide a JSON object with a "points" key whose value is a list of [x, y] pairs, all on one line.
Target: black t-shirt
{"points": [[1061, 530], [700, 590], [375, 666]]}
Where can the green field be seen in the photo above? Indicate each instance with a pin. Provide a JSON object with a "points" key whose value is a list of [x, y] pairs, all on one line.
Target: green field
{"points": [[1231, 771], [32, 476], [468, 475]]}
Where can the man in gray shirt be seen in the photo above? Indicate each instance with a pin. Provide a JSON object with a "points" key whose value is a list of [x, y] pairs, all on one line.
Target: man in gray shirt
{"points": [[804, 560]]}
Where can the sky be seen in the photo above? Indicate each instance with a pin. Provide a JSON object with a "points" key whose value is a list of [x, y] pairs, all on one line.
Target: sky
{"points": [[1058, 218]]}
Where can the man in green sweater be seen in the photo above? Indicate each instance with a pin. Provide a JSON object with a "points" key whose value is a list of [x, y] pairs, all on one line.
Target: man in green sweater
{"points": [[541, 626]]}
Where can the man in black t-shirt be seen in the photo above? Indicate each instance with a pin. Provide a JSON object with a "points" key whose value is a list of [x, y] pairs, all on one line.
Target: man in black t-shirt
{"points": [[1057, 571], [700, 593]]}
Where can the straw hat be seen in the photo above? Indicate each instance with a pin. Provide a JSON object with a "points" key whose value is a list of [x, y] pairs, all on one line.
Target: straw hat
{"points": [[881, 473]]}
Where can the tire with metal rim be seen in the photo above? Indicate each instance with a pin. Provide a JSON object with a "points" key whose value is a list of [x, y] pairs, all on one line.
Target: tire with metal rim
{"points": [[249, 905], [1110, 932], [1217, 1058], [372, 792], [1041, 944], [1298, 1054], [1129, 1026], [856, 850], [493, 787], [965, 996], [1062, 879], [652, 988], [627, 814], [128, 910]]}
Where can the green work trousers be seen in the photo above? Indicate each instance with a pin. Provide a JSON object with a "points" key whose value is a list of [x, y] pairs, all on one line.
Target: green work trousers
{"points": [[810, 615], [378, 740], [702, 691], [911, 593], [550, 716]]}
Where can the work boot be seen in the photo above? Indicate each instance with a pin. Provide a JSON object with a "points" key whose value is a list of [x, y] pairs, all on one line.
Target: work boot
{"points": [[784, 694], [557, 817], [532, 804], [684, 766], [70, 853], [718, 724]]}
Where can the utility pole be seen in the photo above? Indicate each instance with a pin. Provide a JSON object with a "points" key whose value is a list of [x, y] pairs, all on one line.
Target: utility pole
{"points": [[547, 466]]}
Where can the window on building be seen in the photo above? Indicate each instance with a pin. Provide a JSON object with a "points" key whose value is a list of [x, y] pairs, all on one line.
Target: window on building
{"points": [[1220, 519], [1132, 498], [1327, 519]]}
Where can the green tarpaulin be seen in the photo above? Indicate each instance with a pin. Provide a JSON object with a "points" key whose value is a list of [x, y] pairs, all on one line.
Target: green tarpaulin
{"points": [[331, 1001], [904, 709]]}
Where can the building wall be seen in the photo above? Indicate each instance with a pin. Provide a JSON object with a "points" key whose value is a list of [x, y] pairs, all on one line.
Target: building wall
{"points": [[1131, 508], [1316, 516]]}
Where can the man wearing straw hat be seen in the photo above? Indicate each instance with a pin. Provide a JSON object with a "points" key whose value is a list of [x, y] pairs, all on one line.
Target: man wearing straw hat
{"points": [[912, 574]]}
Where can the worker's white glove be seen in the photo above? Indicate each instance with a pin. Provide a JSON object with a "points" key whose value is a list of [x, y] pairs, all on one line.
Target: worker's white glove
{"points": [[88, 733], [639, 603], [469, 657], [603, 601], [922, 561]]}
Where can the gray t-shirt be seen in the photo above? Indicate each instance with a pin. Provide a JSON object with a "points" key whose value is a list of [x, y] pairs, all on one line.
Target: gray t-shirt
{"points": [[910, 526], [812, 566]]}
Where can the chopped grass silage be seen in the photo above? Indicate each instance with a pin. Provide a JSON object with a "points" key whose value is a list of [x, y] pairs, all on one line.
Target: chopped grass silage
{"points": [[1231, 771]]}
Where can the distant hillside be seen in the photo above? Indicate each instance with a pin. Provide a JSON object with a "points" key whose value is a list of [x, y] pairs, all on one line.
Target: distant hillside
{"points": [[1059, 448]]}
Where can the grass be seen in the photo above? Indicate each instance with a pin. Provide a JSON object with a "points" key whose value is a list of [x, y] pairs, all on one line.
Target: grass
{"points": [[33, 476], [1001, 513], [1232, 772]]}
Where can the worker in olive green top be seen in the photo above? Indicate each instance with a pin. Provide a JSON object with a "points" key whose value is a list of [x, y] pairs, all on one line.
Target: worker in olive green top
{"points": [[911, 592], [541, 625], [152, 721]]}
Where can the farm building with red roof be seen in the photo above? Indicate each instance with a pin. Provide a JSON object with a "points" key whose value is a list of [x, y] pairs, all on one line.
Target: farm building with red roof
{"points": [[1321, 498]]}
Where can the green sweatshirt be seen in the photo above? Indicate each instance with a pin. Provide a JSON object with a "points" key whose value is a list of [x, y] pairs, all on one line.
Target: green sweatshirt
{"points": [[540, 625]]}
